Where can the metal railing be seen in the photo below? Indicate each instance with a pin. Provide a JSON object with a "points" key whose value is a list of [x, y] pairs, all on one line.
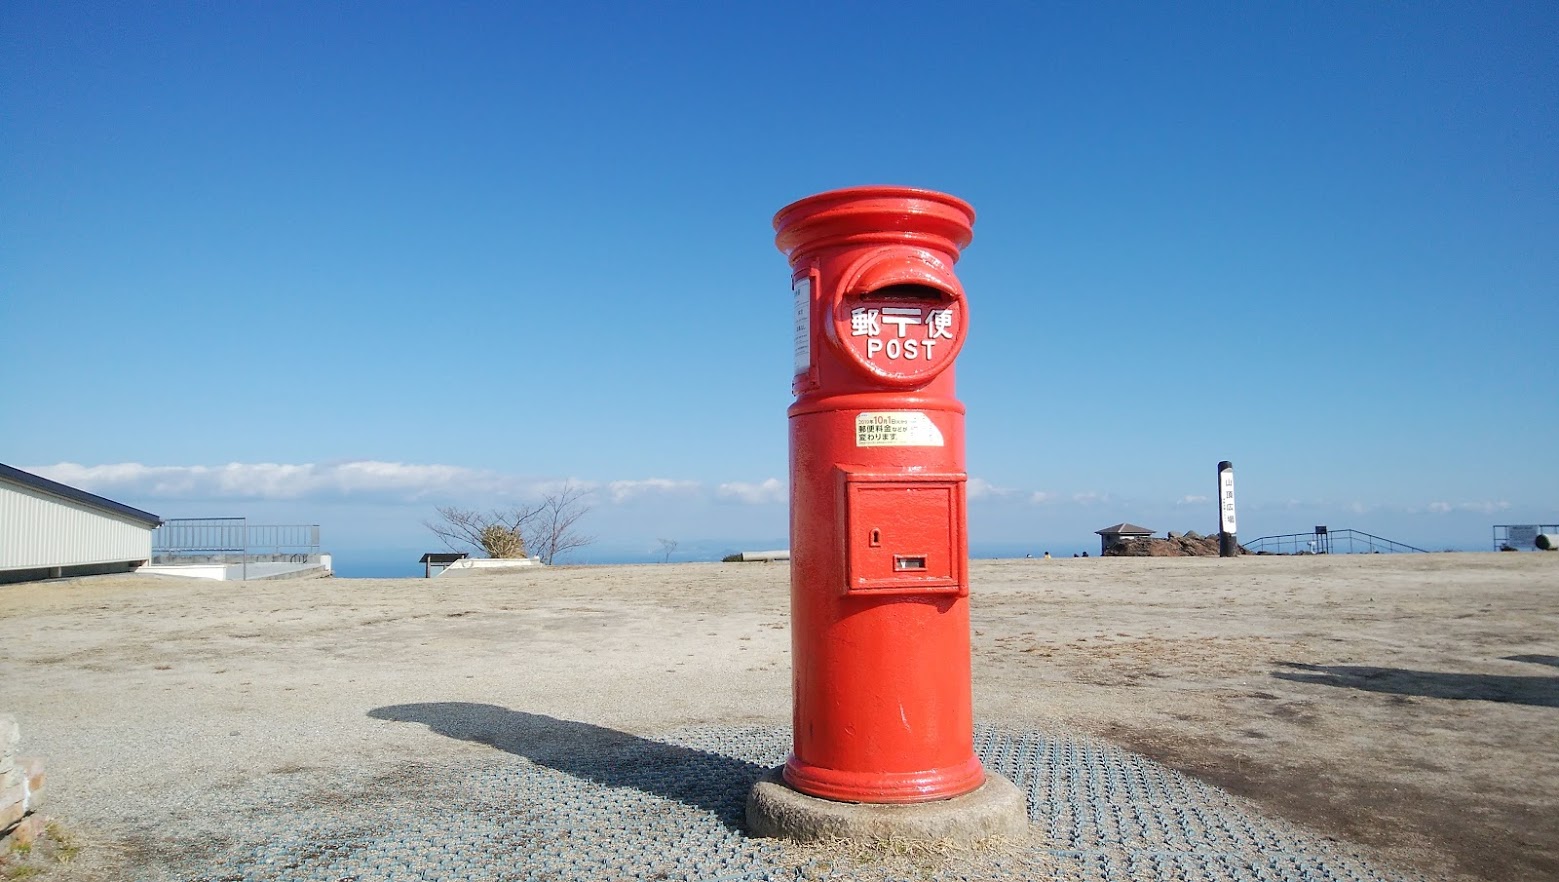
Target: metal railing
{"points": [[234, 542], [1328, 542], [1520, 537]]}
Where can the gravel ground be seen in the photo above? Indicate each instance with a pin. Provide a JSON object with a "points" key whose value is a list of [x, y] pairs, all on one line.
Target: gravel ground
{"points": [[601, 723]]}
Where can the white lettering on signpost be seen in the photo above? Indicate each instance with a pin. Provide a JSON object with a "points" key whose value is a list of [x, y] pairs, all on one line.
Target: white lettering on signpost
{"points": [[1226, 500], [900, 346]]}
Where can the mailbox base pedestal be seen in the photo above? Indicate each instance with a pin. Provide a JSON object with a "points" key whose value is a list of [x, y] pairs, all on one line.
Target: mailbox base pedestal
{"points": [[996, 808]]}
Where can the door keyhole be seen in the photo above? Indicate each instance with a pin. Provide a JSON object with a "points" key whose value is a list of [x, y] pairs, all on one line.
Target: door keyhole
{"points": [[876, 539]]}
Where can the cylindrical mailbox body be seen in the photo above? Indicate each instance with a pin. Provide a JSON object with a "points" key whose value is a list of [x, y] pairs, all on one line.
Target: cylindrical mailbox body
{"points": [[879, 554]]}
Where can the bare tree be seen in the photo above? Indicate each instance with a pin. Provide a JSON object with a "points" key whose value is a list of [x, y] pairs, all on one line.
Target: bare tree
{"points": [[543, 529], [554, 530], [667, 546], [493, 533]]}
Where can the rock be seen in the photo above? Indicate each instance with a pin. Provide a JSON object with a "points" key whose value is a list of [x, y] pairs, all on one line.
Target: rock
{"points": [[24, 834], [10, 735], [21, 791], [13, 804], [1189, 544], [32, 772]]}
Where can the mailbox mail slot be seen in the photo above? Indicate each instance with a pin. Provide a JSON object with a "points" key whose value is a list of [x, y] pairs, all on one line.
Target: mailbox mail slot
{"points": [[901, 533], [898, 316]]}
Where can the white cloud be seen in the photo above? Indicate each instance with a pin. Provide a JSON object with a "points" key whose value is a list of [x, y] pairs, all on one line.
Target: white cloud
{"points": [[979, 488], [622, 491], [1191, 500], [371, 473], [265, 480], [358, 479], [770, 491], [1040, 497], [1487, 508], [1090, 498]]}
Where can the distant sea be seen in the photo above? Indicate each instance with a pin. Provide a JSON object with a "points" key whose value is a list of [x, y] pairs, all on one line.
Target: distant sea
{"points": [[404, 565]]}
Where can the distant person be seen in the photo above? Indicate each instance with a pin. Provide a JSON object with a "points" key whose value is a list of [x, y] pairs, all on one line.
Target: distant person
{"points": [[1047, 555], [1085, 554]]}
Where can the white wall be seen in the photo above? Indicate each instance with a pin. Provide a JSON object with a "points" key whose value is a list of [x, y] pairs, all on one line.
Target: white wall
{"points": [[488, 563], [193, 571], [42, 530]]}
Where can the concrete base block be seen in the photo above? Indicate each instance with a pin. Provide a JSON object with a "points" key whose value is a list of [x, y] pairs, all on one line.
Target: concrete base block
{"points": [[997, 808]]}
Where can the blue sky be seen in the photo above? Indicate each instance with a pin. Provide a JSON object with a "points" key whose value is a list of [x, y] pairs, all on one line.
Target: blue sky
{"points": [[339, 263]]}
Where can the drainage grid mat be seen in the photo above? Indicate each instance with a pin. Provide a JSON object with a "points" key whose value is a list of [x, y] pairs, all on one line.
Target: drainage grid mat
{"points": [[625, 807]]}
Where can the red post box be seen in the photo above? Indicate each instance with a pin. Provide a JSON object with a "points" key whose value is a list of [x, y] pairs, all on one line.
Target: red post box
{"points": [[879, 554]]}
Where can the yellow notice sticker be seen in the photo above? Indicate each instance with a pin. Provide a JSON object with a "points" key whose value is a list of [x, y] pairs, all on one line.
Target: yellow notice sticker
{"points": [[896, 428]]}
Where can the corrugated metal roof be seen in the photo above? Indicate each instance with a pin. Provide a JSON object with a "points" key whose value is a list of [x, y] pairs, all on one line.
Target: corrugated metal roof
{"points": [[64, 491], [1124, 528], [440, 557]]}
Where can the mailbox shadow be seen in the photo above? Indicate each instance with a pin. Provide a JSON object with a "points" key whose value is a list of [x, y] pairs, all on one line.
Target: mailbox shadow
{"points": [[1551, 660], [709, 781], [1535, 691]]}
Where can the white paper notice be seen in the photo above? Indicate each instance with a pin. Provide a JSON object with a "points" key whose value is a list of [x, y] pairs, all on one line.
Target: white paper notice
{"points": [[802, 289], [896, 428]]}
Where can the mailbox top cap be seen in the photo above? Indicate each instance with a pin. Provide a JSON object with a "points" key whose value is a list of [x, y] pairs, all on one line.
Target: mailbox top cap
{"points": [[875, 216]]}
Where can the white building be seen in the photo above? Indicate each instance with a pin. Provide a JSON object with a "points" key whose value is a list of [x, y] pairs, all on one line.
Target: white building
{"points": [[48, 530]]}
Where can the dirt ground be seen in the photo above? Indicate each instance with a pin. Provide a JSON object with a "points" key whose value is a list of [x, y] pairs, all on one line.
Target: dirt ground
{"points": [[1405, 703]]}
